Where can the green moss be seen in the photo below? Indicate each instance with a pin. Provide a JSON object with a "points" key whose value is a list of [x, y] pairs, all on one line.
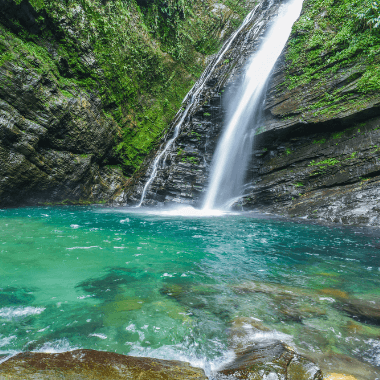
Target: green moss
{"points": [[352, 156], [322, 141], [140, 61], [325, 163], [67, 94], [337, 135], [330, 37], [192, 160]]}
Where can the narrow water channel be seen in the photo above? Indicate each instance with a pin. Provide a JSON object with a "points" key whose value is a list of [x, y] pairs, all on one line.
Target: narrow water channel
{"points": [[171, 286]]}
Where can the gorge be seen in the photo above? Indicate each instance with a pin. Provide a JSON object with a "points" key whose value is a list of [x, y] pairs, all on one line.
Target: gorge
{"points": [[237, 241]]}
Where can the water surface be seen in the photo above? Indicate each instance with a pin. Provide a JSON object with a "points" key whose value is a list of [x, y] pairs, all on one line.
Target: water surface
{"points": [[171, 287]]}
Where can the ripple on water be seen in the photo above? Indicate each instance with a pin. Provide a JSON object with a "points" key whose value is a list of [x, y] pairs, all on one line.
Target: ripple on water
{"points": [[175, 284]]}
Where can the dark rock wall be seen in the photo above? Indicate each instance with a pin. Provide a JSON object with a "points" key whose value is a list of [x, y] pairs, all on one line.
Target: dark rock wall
{"points": [[52, 142]]}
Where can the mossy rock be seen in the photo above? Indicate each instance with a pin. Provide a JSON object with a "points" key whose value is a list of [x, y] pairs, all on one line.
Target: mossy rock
{"points": [[95, 365]]}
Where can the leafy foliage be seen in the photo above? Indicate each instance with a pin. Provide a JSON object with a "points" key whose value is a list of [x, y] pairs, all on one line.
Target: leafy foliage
{"points": [[370, 14], [138, 57], [331, 36]]}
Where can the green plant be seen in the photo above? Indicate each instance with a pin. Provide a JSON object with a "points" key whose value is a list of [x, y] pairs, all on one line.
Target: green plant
{"points": [[332, 36], [352, 156], [337, 135], [370, 13], [299, 184], [67, 94], [325, 163], [322, 141], [191, 160]]}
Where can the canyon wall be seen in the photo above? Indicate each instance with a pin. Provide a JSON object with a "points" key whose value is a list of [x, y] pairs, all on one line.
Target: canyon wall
{"points": [[88, 88], [317, 148]]}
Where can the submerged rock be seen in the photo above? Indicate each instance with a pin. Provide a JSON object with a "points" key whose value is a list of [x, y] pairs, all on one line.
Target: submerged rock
{"points": [[342, 367], [363, 310], [90, 364], [339, 376]]}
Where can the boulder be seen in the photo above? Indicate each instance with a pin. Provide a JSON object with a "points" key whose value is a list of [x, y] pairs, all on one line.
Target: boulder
{"points": [[90, 364], [271, 360]]}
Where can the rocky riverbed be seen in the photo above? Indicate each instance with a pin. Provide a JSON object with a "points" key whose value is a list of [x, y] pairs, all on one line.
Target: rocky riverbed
{"points": [[268, 360]]}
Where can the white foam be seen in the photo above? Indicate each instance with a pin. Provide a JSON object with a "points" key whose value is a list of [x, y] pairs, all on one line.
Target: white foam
{"points": [[182, 211], [177, 352], [57, 346], [10, 312], [5, 341], [101, 336], [189, 211]]}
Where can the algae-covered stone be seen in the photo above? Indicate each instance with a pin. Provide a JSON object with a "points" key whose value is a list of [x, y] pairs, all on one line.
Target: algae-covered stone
{"points": [[90, 364]]}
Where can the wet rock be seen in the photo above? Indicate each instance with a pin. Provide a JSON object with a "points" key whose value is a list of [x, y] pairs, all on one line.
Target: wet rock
{"points": [[52, 144], [363, 310], [269, 360], [260, 355], [348, 368], [339, 376], [90, 364]]}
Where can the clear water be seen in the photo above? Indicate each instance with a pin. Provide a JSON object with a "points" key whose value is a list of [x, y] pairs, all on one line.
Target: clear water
{"points": [[170, 286]]}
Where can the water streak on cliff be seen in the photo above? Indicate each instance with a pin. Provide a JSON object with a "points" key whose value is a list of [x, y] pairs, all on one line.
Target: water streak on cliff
{"points": [[234, 148], [192, 101]]}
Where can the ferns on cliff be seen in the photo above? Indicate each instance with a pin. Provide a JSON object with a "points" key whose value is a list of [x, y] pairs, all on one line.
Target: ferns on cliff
{"points": [[370, 13], [332, 35]]}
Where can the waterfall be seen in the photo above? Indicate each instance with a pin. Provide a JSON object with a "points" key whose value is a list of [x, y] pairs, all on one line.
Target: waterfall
{"points": [[232, 155], [192, 98]]}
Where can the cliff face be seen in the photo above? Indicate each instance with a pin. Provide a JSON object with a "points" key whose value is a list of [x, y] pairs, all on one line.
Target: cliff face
{"points": [[182, 174], [87, 87], [317, 146]]}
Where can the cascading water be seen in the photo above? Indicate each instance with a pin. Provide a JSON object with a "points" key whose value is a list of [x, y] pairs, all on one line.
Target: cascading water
{"points": [[234, 148], [192, 98]]}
